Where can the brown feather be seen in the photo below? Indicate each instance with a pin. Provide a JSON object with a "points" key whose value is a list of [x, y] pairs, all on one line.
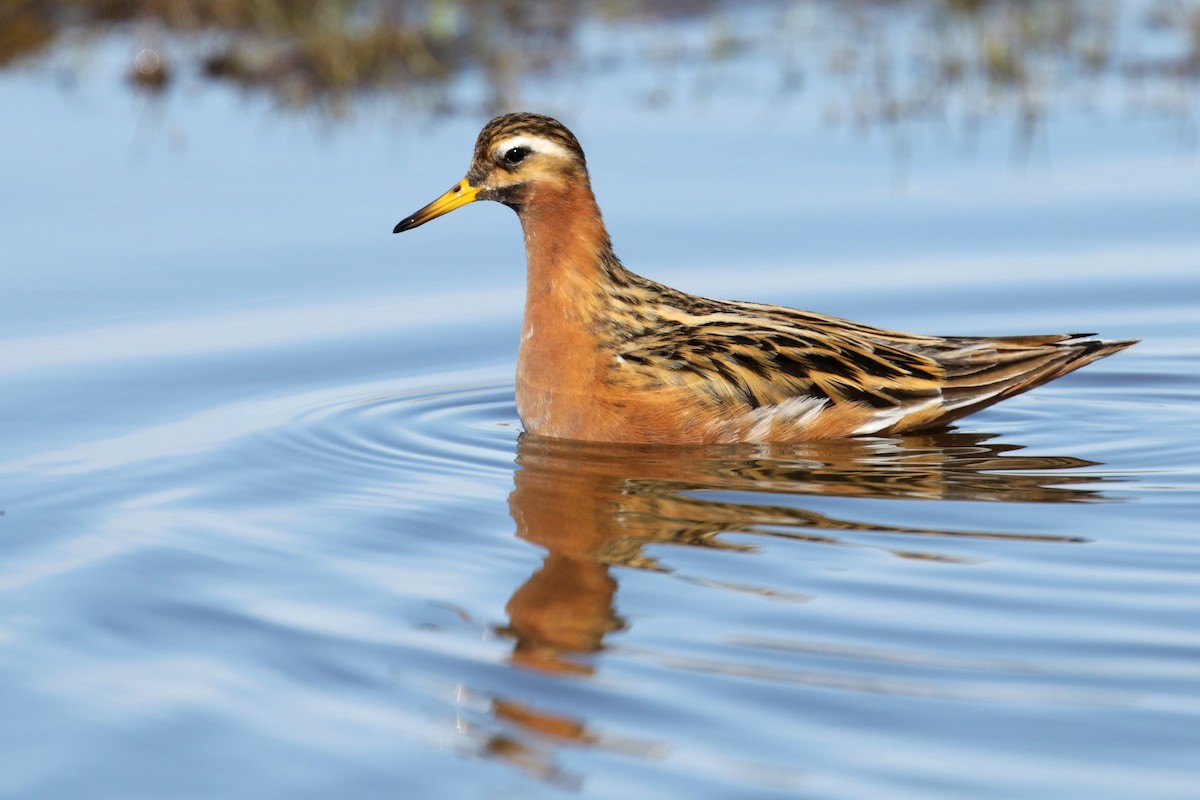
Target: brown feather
{"points": [[608, 355]]}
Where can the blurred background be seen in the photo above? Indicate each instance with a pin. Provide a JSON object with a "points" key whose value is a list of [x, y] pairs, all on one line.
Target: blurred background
{"points": [[164, 143], [268, 525]]}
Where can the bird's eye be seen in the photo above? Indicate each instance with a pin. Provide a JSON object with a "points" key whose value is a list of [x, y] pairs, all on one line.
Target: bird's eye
{"points": [[515, 156]]}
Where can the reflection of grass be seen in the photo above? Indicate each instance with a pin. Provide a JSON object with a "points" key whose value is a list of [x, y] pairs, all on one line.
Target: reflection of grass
{"points": [[22, 32], [961, 55], [301, 51], [333, 60]]}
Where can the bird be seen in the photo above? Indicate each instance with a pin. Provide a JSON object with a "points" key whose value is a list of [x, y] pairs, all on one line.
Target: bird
{"points": [[607, 355]]}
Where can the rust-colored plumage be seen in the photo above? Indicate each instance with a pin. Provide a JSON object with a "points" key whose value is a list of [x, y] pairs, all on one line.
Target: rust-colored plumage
{"points": [[607, 355]]}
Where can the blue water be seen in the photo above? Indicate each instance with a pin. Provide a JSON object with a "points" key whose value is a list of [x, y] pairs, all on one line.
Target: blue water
{"points": [[270, 527]]}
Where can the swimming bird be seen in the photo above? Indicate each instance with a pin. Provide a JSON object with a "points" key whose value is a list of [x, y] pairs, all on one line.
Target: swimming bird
{"points": [[607, 355]]}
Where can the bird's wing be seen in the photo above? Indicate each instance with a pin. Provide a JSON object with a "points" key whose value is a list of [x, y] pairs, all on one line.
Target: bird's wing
{"points": [[764, 355], [980, 371]]}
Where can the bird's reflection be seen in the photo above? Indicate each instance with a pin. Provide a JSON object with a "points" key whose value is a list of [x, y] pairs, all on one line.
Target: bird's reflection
{"points": [[593, 506]]}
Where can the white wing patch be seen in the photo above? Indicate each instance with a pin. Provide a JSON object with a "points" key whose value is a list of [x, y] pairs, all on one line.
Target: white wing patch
{"points": [[793, 411], [885, 419], [975, 398]]}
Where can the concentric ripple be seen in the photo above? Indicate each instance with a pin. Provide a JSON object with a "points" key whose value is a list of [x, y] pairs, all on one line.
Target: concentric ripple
{"points": [[462, 428]]}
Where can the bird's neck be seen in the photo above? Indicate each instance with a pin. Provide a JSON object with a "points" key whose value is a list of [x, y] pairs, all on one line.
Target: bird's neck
{"points": [[568, 251], [571, 270]]}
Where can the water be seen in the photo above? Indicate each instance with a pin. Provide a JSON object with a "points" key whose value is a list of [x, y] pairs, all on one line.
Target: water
{"points": [[271, 527]]}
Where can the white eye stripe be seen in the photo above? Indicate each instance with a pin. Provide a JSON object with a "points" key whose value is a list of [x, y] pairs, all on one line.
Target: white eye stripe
{"points": [[534, 144]]}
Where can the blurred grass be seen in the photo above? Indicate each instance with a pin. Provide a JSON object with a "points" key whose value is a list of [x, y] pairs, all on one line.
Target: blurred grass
{"points": [[968, 56]]}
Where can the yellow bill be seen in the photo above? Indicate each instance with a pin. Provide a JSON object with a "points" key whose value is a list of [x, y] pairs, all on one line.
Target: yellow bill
{"points": [[460, 195]]}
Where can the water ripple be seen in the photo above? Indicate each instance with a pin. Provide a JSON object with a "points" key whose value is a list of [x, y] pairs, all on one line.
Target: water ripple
{"points": [[453, 429]]}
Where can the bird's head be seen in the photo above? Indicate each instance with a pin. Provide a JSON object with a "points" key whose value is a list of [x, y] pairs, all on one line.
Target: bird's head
{"points": [[516, 157]]}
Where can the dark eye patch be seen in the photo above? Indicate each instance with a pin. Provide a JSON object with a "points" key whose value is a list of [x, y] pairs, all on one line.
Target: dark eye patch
{"points": [[515, 156]]}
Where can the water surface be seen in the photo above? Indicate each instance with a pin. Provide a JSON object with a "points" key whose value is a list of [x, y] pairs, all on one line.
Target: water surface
{"points": [[271, 527]]}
